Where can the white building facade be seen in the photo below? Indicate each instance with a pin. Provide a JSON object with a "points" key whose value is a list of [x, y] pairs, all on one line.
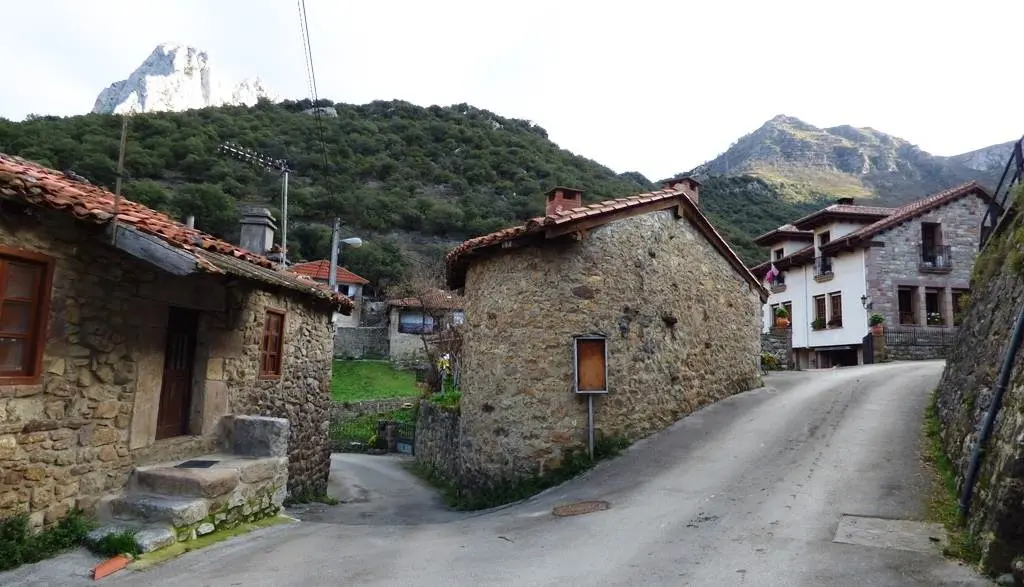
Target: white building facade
{"points": [[836, 267]]}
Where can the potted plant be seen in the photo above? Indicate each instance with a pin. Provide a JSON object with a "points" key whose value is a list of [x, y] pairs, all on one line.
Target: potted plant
{"points": [[818, 324], [876, 322], [781, 317]]}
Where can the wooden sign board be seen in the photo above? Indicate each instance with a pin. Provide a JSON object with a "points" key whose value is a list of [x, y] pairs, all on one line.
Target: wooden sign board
{"points": [[590, 364]]}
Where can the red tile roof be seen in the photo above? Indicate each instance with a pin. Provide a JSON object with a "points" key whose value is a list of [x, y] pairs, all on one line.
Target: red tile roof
{"points": [[909, 212], [896, 217], [842, 212], [435, 300], [321, 270], [457, 259], [786, 231], [34, 184]]}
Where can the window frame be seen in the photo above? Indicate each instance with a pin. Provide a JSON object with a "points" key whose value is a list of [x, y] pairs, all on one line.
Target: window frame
{"points": [[824, 307], [38, 330], [264, 344], [425, 317], [833, 297]]}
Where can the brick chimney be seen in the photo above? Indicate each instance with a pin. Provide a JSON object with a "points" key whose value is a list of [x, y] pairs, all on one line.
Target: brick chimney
{"points": [[561, 199], [689, 185], [257, 230]]}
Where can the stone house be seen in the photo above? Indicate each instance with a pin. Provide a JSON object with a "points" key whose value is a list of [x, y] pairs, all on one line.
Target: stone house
{"points": [[410, 319], [639, 298], [835, 267], [126, 338], [347, 284]]}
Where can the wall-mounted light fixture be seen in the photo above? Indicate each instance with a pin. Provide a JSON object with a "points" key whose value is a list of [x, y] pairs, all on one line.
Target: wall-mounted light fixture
{"points": [[865, 301]]}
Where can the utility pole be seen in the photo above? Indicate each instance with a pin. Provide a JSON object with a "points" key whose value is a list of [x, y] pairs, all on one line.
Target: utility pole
{"points": [[335, 234], [270, 164], [120, 172]]}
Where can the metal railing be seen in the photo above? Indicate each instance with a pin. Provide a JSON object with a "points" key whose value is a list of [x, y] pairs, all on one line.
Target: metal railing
{"points": [[822, 266], [936, 257], [998, 206]]}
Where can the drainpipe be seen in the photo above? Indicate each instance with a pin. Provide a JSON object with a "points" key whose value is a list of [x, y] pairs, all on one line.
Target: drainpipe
{"points": [[990, 416]]}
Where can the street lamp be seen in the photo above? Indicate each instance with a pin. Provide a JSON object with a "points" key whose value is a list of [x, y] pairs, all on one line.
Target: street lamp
{"points": [[355, 242], [865, 301]]}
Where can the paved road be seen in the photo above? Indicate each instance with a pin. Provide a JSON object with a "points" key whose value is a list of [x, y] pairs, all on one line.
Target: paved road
{"points": [[749, 491]]}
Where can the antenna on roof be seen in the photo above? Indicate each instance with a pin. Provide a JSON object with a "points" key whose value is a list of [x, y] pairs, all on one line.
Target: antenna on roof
{"points": [[270, 164]]}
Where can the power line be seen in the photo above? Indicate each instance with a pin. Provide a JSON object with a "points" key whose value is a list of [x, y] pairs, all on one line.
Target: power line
{"points": [[307, 48]]}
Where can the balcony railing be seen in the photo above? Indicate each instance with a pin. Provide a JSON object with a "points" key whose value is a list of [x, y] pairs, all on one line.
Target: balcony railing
{"points": [[777, 283], [822, 267], [936, 259]]}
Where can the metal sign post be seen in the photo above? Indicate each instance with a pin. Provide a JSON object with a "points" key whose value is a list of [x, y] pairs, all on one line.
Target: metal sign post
{"points": [[590, 366]]}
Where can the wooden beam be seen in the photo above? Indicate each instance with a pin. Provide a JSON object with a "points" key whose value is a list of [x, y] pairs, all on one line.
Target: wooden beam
{"points": [[154, 251], [589, 222]]}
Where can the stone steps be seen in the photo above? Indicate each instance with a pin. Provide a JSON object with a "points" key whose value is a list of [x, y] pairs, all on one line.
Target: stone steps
{"points": [[174, 510], [209, 483]]}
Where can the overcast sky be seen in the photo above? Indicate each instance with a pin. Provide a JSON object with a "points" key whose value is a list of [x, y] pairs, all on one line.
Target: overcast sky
{"points": [[653, 86]]}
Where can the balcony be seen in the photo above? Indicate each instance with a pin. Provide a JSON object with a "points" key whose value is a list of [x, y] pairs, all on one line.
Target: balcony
{"points": [[823, 268], [935, 259], [777, 283]]}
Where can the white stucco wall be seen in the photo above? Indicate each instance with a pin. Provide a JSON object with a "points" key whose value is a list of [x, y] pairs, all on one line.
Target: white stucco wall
{"points": [[801, 288]]}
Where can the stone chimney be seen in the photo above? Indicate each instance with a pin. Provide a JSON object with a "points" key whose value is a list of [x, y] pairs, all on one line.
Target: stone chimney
{"points": [[257, 230], [560, 199], [689, 185]]}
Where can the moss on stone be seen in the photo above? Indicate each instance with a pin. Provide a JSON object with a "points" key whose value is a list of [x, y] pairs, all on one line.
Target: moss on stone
{"points": [[147, 560]]}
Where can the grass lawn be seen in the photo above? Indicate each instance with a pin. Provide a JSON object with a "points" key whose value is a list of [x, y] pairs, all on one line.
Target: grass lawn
{"points": [[356, 381]]}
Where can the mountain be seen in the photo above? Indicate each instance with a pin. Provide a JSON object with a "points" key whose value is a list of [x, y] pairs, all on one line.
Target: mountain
{"points": [[815, 163], [411, 181], [176, 77], [788, 168]]}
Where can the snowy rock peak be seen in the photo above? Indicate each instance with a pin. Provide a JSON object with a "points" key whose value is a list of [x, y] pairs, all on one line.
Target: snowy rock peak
{"points": [[176, 77]]}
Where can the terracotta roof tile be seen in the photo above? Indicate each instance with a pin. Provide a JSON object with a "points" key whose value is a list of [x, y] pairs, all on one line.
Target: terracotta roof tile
{"points": [[456, 258], [321, 270], [908, 212], [433, 300], [34, 184]]}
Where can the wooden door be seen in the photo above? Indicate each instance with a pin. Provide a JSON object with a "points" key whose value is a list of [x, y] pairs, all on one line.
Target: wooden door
{"points": [[176, 389]]}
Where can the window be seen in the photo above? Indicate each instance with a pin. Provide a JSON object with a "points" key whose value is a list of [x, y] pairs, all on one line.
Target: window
{"points": [[932, 308], [24, 305], [591, 356], [779, 254], [789, 311], [907, 305], [819, 313], [835, 302], [270, 349], [824, 238], [410, 322]]}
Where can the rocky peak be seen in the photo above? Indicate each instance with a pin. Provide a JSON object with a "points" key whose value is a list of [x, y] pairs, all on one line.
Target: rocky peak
{"points": [[176, 77]]}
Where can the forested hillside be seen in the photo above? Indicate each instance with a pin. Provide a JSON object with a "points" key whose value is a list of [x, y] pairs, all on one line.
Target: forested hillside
{"points": [[409, 180]]}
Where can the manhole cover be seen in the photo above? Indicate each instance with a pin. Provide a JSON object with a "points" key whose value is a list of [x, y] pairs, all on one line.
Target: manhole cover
{"points": [[581, 507]]}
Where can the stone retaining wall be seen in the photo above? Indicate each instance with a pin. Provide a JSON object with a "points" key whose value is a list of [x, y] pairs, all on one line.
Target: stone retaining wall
{"points": [[344, 411], [362, 342], [437, 441], [918, 343], [964, 395], [779, 343]]}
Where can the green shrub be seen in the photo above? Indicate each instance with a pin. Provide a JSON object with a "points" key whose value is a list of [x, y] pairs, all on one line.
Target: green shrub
{"points": [[116, 543], [18, 545], [876, 319]]}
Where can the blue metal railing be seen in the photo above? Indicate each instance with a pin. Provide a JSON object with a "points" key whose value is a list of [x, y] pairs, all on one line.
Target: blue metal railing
{"points": [[998, 206]]}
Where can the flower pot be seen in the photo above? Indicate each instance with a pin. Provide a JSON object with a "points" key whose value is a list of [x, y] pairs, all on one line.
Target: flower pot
{"points": [[877, 330], [782, 322]]}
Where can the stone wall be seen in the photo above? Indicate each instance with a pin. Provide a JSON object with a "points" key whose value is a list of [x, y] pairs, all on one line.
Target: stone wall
{"points": [[912, 343], [965, 391], [779, 343], [896, 263], [344, 411], [77, 433], [437, 440], [682, 327], [364, 342]]}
